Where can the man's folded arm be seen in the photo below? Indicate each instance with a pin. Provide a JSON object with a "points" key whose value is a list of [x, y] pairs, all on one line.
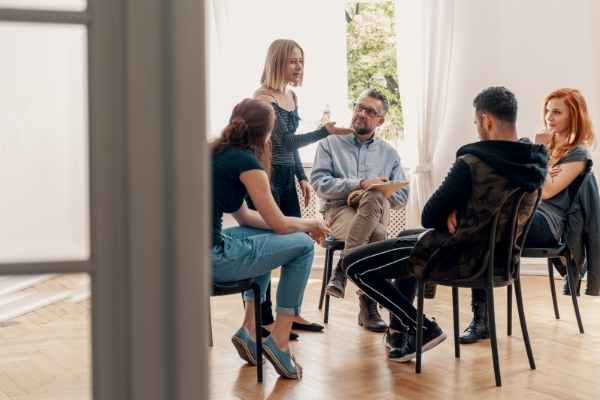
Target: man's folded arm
{"points": [[322, 180]]}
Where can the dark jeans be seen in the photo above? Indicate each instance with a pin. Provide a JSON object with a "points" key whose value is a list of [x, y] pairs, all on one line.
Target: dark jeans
{"points": [[381, 271], [539, 236], [283, 187]]}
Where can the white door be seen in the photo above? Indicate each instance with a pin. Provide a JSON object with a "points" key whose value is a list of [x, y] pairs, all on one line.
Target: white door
{"points": [[102, 117]]}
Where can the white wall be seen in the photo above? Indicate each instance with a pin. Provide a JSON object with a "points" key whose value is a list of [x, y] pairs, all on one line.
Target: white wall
{"points": [[531, 47], [240, 32]]}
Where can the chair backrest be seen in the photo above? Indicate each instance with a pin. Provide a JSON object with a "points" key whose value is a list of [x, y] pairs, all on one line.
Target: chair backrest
{"points": [[507, 239], [573, 190], [577, 184]]}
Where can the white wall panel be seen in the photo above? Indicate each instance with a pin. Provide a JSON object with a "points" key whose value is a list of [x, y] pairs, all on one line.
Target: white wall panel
{"points": [[44, 205]]}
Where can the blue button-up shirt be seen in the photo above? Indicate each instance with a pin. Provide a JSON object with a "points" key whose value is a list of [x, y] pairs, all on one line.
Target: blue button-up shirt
{"points": [[341, 162]]}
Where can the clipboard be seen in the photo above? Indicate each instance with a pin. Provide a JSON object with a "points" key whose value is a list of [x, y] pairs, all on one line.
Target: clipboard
{"points": [[388, 188]]}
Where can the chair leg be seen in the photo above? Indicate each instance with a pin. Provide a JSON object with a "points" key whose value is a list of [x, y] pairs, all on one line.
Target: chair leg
{"points": [[327, 297], [258, 324], [455, 316], [210, 332], [553, 288], [420, 294], [326, 273], [573, 289], [493, 337], [509, 310], [326, 314], [523, 323]]}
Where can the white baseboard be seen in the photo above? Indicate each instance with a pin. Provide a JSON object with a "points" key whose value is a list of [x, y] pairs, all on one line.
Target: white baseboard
{"points": [[29, 303], [12, 284]]}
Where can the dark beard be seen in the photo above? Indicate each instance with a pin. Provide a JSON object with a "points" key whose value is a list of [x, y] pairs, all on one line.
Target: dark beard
{"points": [[361, 131]]}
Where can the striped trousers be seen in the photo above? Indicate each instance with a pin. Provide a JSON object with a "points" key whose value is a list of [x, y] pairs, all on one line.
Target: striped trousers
{"points": [[381, 271]]}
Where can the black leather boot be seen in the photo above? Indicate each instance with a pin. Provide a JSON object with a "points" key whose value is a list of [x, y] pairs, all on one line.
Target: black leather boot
{"points": [[369, 317], [478, 328], [337, 284]]}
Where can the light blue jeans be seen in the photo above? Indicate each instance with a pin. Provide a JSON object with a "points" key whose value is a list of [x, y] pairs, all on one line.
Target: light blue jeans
{"points": [[253, 253]]}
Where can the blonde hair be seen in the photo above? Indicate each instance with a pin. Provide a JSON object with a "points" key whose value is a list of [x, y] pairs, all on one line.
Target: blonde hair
{"points": [[273, 75]]}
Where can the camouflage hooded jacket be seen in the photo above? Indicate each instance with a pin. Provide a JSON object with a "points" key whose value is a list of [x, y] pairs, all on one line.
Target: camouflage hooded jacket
{"points": [[483, 176]]}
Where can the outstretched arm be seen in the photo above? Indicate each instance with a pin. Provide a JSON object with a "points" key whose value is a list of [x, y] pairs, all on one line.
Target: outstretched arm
{"points": [[268, 214]]}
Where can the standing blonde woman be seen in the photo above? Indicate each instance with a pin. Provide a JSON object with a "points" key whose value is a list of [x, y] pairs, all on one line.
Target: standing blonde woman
{"points": [[284, 69]]}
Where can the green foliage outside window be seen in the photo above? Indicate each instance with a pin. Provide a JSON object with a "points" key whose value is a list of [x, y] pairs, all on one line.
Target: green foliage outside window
{"points": [[371, 44]]}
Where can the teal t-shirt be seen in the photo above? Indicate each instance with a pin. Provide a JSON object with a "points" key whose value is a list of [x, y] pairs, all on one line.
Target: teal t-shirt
{"points": [[228, 191]]}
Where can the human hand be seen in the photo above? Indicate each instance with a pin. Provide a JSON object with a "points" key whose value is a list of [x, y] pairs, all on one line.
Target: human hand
{"points": [[334, 130], [367, 183], [306, 192], [318, 231], [554, 171], [354, 197], [452, 222]]}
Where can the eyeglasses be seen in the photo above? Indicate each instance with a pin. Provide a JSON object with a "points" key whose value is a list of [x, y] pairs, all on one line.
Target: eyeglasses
{"points": [[370, 112]]}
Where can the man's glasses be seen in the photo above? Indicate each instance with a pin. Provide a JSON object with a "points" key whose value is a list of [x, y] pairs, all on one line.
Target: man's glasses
{"points": [[370, 112]]}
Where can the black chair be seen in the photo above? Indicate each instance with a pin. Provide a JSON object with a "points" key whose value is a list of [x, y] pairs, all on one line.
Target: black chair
{"points": [[549, 254], [227, 288], [487, 279], [556, 252], [331, 246]]}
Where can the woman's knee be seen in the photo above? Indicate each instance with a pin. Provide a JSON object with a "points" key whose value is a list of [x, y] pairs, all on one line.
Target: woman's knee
{"points": [[305, 242], [302, 247]]}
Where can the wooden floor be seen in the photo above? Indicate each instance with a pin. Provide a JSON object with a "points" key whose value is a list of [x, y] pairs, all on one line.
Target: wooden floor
{"points": [[347, 362], [45, 355]]}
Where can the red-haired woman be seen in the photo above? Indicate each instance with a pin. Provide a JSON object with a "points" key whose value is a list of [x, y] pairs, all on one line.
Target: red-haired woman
{"points": [[567, 136], [265, 239]]}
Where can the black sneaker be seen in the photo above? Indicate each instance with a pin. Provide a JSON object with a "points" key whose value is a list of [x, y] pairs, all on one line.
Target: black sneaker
{"points": [[395, 342], [431, 338], [395, 339]]}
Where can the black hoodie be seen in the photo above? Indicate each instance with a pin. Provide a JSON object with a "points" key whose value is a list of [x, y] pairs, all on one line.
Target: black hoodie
{"points": [[521, 162]]}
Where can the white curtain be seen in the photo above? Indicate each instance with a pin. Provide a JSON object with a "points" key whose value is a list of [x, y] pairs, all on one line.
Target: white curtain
{"points": [[424, 44]]}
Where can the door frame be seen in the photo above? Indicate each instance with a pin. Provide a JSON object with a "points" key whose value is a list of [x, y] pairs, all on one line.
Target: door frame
{"points": [[149, 192]]}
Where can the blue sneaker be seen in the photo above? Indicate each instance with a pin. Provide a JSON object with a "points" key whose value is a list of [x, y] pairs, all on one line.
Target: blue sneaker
{"points": [[283, 361], [245, 346]]}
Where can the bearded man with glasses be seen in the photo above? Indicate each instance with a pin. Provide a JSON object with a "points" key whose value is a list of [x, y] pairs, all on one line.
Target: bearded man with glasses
{"points": [[345, 167]]}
